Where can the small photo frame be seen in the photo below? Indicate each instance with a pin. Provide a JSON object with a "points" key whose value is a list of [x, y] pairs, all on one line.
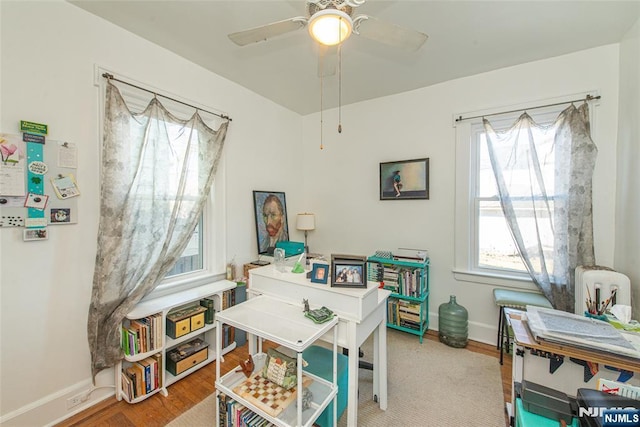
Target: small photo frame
{"points": [[320, 273], [35, 234], [60, 216], [404, 179], [348, 271]]}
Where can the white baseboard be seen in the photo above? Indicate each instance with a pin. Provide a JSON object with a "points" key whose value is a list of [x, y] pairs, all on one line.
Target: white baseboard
{"points": [[52, 409]]}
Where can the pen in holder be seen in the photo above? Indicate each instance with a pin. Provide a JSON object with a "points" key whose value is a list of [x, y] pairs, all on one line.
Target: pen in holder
{"points": [[596, 316], [298, 268]]}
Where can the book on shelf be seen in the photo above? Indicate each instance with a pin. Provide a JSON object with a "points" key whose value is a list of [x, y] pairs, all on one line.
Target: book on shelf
{"points": [[228, 298], [410, 324], [136, 372], [124, 340], [409, 317], [228, 335], [141, 335], [209, 315], [233, 413], [127, 385], [144, 363], [158, 367]]}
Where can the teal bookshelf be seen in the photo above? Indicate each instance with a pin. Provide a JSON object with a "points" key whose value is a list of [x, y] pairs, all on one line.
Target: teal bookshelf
{"points": [[408, 281]]}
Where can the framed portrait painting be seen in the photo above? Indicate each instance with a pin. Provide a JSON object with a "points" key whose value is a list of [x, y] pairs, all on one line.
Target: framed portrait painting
{"points": [[404, 179], [270, 209]]}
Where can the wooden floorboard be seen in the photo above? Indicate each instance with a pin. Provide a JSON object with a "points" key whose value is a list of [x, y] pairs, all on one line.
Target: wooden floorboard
{"points": [[159, 410]]}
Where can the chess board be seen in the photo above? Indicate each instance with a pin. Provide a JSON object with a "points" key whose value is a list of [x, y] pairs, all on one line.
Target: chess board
{"points": [[268, 396]]}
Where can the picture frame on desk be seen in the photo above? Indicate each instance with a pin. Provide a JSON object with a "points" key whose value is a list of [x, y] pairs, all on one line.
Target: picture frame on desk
{"points": [[320, 273], [348, 271]]}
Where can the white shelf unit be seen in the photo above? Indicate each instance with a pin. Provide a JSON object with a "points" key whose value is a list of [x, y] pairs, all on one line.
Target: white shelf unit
{"points": [[164, 305], [284, 324]]}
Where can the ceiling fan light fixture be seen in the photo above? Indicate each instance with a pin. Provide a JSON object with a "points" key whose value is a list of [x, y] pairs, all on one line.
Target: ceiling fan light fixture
{"points": [[330, 26]]}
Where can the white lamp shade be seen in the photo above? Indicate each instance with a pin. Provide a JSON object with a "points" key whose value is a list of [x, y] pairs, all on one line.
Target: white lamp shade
{"points": [[330, 26], [306, 221]]}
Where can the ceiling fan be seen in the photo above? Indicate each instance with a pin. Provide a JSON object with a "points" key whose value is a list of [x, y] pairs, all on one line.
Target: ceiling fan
{"points": [[334, 19]]}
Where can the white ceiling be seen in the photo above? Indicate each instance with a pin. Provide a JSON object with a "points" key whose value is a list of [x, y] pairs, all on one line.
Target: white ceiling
{"points": [[465, 38]]}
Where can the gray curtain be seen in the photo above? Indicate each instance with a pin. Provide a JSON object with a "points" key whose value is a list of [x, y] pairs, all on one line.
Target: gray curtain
{"points": [[157, 172], [543, 175]]}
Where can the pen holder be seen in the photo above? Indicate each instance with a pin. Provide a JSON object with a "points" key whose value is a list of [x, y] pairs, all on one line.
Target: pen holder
{"points": [[596, 316], [298, 268]]}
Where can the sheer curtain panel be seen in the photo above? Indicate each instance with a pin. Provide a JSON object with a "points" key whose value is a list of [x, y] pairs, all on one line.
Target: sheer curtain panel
{"points": [[543, 175], [157, 172]]}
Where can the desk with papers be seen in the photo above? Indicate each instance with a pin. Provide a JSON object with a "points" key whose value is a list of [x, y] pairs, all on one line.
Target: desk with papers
{"points": [[549, 362]]}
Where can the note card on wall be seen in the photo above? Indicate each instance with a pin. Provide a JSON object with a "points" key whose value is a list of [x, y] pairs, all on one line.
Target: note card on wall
{"points": [[65, 186]]}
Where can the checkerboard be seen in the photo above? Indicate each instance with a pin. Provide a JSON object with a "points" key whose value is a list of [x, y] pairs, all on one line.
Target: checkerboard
{"points": [[268, 396]]}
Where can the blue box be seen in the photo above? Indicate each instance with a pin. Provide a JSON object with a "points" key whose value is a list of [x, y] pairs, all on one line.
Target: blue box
{"points": [[291, 248], [320, 362], [525, 418]]}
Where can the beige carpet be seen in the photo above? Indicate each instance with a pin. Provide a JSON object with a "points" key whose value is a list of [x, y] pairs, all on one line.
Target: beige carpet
{"points": [[429, 384]]}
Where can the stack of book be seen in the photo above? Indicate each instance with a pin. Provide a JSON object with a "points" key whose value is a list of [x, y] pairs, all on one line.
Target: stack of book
{"points": [[410, 282], [404, 313], [233, 413], [399, 280], [142, 377], [142, 335], [228, 298]]}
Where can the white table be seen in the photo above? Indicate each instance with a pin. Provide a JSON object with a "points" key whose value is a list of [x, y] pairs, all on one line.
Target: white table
{"points": [[361, 311], [285, 324]]}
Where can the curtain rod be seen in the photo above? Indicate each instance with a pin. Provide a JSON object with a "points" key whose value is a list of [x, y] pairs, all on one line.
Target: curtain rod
{"points": [[110, 77], [587, 98]]}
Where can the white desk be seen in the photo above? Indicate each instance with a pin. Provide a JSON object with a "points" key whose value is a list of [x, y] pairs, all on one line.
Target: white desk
{"points": [[361, 311]]}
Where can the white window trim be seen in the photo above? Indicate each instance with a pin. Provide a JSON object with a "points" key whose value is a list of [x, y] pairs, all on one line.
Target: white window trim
{"points": [[464, 203], [214, 214]]}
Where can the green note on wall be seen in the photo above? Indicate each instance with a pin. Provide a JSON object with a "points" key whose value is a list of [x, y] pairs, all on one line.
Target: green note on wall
{"points": [[33, 127]]}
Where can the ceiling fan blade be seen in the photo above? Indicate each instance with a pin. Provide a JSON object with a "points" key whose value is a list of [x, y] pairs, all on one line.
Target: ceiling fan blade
{"points": [[384, 32], [268, 31], [327, 60]]}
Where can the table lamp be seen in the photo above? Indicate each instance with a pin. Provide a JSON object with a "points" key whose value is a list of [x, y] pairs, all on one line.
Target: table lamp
{"points": [[306, 222]]}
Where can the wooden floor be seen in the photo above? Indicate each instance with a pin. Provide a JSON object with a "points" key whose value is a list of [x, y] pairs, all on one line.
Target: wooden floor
{"points": [[159, 410]]}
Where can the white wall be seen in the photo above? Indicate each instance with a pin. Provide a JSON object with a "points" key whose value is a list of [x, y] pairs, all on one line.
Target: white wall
{"points": [[342, 180], [49, 50], [45, 286], [628, 174]]}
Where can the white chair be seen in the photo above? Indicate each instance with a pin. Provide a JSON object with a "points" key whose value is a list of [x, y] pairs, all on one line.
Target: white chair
{"points": [[592, 277]]}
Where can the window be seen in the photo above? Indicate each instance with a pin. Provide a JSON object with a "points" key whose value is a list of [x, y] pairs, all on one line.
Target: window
{"points": [[192, 259], [203, 257], [484, 244]]}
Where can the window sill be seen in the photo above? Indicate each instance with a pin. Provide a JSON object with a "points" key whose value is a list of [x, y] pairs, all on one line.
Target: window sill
{"points": [[171, 286], [503, 280]]}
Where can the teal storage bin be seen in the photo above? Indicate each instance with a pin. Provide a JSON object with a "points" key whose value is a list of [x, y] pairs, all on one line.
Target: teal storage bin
{"points": [[320, 362], [525, 418]]}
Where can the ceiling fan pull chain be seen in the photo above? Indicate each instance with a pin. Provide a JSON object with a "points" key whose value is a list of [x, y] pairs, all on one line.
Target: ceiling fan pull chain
{"points": [[321, 91], [340, 88]]}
